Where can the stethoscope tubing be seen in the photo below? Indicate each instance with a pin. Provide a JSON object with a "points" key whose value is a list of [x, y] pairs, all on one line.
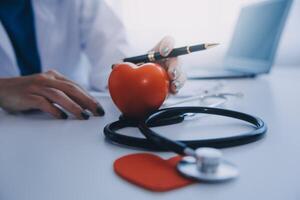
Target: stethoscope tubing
{"points": [[167, 116], [180, 147]]}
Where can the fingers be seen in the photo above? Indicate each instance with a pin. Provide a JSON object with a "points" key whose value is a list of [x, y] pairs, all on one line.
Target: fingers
{"points": [[49, 92], [78, 95], [75, 92], [172, 67], [176, 75], [41, 103], [165, 46], [177, 84], [60, 98]]}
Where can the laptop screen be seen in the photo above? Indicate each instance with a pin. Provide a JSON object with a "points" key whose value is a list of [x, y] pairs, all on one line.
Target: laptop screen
{"points": [[256, 36]]}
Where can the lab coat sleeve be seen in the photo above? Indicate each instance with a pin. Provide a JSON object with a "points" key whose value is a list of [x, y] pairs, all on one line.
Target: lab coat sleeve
{"points": [[103, 39]]}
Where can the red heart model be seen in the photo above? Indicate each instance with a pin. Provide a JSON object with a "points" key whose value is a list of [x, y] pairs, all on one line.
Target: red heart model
{"points": [[151, 172], [138, 90]]}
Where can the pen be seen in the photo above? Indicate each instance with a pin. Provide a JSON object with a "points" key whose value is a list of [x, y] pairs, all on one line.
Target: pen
{"points": [[154, 56]]}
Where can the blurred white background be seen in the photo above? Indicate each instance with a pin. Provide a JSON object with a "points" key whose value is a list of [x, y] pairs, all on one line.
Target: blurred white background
{"points": [[196, 21]]}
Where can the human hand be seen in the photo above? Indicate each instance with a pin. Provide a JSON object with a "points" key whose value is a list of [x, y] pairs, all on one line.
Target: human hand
{"points": [[43, 91], [171, 65]]}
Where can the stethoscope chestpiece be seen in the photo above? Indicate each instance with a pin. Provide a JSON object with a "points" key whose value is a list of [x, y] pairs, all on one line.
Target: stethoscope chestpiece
{"points": [[208, 166]]}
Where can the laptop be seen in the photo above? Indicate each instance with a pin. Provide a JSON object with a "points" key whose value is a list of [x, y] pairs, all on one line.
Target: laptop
{"points": [[254, 42]]}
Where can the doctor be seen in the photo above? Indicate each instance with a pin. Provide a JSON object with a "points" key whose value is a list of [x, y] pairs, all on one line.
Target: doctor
{"points": [[42, 47]]}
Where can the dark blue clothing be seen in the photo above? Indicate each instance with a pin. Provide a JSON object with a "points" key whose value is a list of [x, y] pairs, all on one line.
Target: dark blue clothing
{"points": [[17, 18]]}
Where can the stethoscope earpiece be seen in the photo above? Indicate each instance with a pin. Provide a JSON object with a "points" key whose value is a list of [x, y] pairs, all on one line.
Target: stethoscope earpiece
{"points": [[207, 165]]}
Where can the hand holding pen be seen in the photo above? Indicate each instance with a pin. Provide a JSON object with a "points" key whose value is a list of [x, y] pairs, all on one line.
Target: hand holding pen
{"points": [[171, 65], [166, 55], [164, 48]]}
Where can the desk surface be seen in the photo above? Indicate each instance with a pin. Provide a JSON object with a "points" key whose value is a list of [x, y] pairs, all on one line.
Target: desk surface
{"points": [[42, 158]]}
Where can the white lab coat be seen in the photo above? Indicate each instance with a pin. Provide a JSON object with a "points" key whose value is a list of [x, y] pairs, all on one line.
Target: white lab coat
{"points": [[67, 31]]}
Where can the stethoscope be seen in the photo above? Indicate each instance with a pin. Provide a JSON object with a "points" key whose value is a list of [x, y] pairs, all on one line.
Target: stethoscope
{"points": [[201, 160], [203, 96]]}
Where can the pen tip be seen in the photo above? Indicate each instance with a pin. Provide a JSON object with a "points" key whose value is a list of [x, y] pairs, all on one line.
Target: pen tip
{"points": [[210, 45]]}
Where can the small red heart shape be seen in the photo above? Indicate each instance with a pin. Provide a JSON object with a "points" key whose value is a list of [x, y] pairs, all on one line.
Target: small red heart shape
{"points": [[151, 172], [138, 90]]}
